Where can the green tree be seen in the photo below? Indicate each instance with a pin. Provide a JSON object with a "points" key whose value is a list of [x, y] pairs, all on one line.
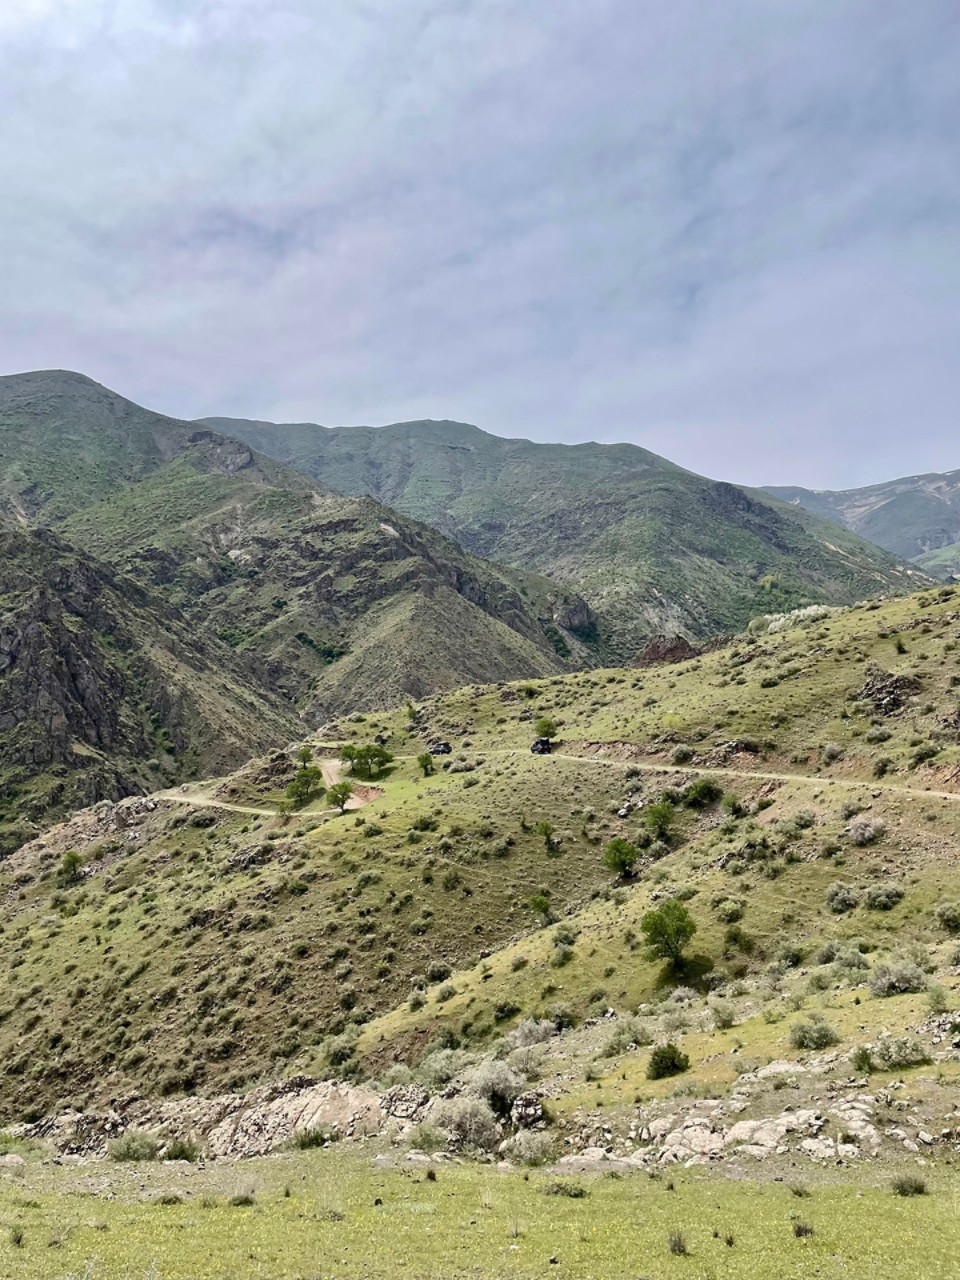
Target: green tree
{"points": [[68, 872], [667, 930], [620, 856], [545, 728], [425, 761], [348, 754], [365, 760], [546, 829], [660, 818], [305, 755], [339, 794], [305, 784]]}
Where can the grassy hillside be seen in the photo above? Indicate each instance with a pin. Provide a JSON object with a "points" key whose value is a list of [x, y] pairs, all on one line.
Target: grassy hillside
{"points": [[916, 517], [650, 546], [214, 941], [105, 690]]}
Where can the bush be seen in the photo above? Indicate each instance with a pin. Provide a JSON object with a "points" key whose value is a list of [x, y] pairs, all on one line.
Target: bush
{"points": [[681, 755], [427, 1137], [897, 979], [813, 1033], [864, 831], [702, 793], [724, 1014], [667, 1060], [729, 910], [134, 1146], [908, 1184], [832, 751], [893, 1052], [627, 1033], [841, 897], [882, 897], [620, 856], [496, 1083], [469, 1121], [182, 1149], [948, 916], [529, 1148], [531, 1031], [440, 1067]]}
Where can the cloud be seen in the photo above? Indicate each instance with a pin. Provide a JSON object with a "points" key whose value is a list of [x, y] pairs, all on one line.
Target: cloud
{"points": [[727, 232]]}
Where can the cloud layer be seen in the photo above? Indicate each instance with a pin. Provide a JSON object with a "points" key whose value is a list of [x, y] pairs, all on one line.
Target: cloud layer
{"points": [[728, 232]]}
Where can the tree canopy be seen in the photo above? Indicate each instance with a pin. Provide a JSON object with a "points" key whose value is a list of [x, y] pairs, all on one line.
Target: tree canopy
{"points": [[667, 930]]}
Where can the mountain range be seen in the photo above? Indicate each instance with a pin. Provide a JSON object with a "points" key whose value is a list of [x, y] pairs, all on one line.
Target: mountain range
{"points": [[176, 595], [651, 547], [915, 517]]}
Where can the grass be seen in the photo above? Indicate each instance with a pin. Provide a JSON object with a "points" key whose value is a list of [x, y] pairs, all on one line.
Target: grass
{"points": [[338, 1206]]}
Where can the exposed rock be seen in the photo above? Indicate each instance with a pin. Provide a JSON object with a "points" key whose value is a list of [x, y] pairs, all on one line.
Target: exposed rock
{"points": [[527, 1110], [665, 649]]}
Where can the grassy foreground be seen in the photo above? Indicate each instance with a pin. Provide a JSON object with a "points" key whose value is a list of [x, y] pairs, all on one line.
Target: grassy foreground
{"points": [[320, 1214]]}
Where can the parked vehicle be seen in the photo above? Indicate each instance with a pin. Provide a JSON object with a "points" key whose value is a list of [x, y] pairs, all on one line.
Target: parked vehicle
{"points": [[542, 747]]}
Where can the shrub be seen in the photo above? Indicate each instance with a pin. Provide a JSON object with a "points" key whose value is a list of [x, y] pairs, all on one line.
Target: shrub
{"points": [[529, 1147], [908, 1184], [667, 1060], [469, 1121], [496, 1083], [571, 1190], [426, 1137], [182, 1149], [724, 1014], [681, 755], [677, 1244], [862, 1060], [948, 916], [897, 979], [882, 897], [893, 1052], [864, 831], [729, 910], [531, 1031], [841, 897], [627, 1033], [813, 1033], [134, 1146], [832, 751], [440, 1067], [802, 1229], [702, 793], [70, 869]]}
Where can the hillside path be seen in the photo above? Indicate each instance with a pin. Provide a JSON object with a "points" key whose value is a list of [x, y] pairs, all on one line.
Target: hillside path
{"points": [[208, 802]]}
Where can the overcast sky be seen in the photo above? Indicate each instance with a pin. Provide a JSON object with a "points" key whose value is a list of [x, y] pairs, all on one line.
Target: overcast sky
{"points": [[728, 230]]}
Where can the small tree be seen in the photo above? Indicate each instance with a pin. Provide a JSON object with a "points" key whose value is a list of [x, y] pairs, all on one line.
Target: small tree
{"points": [[667, 930], [305, 784], [305, 755], [425, 761], [339, 794], [620, 856], [540, 904], [659, 819], [546, 829], [68, 872], [545, 728]]}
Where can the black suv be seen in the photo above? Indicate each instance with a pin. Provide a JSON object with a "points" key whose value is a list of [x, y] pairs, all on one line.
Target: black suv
{"points": [[541, 747], [441, 749]]}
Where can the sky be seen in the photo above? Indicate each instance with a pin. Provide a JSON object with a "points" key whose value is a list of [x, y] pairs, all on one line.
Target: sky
{"points": [[726, 230]]}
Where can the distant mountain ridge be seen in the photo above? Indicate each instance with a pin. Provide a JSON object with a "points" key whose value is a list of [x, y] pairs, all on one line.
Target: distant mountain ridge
{"points": [[916, 517], [650, 546]]}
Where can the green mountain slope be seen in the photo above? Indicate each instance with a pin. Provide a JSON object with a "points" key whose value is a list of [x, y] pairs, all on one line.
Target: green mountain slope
{"points": [[210, 941], [650, 546], [105, 690], [916, 517], [336, 603]]}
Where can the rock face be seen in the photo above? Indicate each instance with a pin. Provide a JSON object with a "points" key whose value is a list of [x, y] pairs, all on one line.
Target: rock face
{"points": [[270, 1117], [98, 677], [665, 649]]}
